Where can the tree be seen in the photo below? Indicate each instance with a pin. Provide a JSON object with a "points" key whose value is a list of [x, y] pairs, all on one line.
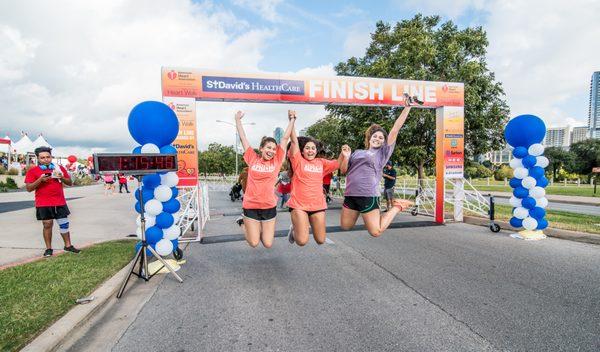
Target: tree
{"points": [[328, 131], [219, 159], [558, 158], [422, 49], [586, 156]]}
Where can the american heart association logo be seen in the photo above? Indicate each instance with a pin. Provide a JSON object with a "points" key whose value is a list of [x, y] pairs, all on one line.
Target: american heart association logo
{"points": [[172, 74]]}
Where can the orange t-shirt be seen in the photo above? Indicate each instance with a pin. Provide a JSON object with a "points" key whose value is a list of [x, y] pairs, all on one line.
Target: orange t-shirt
{"points": [[307, 182], [262, 176]]}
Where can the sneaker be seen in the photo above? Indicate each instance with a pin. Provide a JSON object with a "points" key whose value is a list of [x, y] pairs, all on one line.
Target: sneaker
{"points": [[239, 221], [72, 249], [291, 235], [48, 253]]}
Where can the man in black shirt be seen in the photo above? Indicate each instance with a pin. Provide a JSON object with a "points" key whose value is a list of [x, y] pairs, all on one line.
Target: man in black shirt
{"points": [[389, 181]]}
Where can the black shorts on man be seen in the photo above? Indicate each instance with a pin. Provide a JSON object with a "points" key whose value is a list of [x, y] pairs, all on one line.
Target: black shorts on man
{"points": [[49, 213], [260, 214]]}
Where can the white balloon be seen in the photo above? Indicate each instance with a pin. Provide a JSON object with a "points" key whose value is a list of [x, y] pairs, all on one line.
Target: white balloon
{"points": [[150, 148], [521, 213], [537, 192], [536, 149], [528, 182], [150, 220], [169, 179], [164, 247], [153, 207], [515, 202], [521, 172], [163, 193], [172, 233], [542, 161], [541, 202], [530, 223], [516, 162]]}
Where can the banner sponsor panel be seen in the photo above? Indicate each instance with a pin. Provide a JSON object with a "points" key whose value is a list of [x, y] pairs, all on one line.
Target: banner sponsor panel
{"points": [[186, 141], [286, 88]]}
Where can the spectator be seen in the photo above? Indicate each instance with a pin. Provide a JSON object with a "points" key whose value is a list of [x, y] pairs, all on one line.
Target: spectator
{"points": [[48, 180], [122, 183], [389, 181], [109, 183]]}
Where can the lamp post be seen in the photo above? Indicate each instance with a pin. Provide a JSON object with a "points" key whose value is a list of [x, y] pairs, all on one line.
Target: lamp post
{"points": [[237, 139]]}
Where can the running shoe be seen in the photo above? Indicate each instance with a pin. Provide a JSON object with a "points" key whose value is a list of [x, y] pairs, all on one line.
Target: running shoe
{"points": [[239, 221], [291, 235], [48, 253], [72, 249]]}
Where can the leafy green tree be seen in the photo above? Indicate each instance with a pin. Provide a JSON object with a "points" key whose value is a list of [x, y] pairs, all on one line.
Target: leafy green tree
{"points": [[328, 131], [558, 158], [586, 156], [423, 48], [219, 159]]}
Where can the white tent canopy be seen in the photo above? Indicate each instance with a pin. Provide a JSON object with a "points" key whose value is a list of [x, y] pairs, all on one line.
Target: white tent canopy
{"points": [[4, 147], [40, 142], [23, 146]]}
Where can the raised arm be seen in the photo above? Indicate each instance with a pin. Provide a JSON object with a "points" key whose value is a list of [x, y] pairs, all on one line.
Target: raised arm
{"points": [[289, 129], [344, 158], [398, 125], [240, 130], [295, 146]]}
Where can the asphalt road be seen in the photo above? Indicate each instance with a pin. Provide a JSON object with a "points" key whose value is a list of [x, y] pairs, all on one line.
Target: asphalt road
{"points": [[440, 288]]}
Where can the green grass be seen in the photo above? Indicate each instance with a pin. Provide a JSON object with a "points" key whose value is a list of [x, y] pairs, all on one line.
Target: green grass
{"points": [[557, 219], [34, 295], [584, 191]]}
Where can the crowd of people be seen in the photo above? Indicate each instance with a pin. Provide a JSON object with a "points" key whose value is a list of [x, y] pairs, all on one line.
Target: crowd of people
{"points": [[297, 176]]}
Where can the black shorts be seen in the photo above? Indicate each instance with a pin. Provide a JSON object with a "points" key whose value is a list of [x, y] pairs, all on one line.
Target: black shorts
{"points": [[361, 204], [326, 188], [309, 213], [49, 213], [260, 214], [109, 183]]}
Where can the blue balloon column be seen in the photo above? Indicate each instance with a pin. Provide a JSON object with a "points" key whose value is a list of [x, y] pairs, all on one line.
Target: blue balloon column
{"points": [[155, 126], [525, 133]]}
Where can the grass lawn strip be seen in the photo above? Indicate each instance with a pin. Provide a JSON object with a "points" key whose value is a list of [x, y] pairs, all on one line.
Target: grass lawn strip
{"points": [[34, 295]]}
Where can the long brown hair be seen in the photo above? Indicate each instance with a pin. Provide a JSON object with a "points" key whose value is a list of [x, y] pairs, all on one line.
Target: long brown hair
{"points": [[371, 131], [302, 140]]}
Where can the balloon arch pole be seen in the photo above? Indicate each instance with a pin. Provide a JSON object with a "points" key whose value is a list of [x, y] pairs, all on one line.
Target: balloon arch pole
{"points": [[183, 87]]}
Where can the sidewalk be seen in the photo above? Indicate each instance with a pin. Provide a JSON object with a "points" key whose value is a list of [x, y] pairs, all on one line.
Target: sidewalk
{"points": [[94, 218], [553, 198]]}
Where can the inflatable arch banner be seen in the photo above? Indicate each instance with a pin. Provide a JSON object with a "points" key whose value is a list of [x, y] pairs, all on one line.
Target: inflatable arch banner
{"points": [[182, 87]]}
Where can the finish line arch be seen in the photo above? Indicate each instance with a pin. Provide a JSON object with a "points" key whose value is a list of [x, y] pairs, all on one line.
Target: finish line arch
{"points": [[182, 87]]}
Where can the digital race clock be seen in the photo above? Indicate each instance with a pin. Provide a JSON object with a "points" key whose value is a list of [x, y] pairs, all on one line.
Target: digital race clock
{"points": [[135, 164]]}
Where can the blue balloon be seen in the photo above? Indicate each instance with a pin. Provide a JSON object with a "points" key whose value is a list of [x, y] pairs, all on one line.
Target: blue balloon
{"points": [[154, 234], [175, 244], [138, 207], [137, 248], [168, 149], [175, 192], [147, 194], [524, 130], [529, 161], [171, 206], [528, 203], [153, 122], [164, 220], [542, 224], [537, 213], [137, 150], [515, 182], [536, 172], [520, 152], [516, 222], [542, 182], [521, 192], [151, 181]]}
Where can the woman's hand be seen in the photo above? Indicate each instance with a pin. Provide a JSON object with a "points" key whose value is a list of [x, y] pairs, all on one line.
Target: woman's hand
{"points": [[291, 114], [346, 151], [239, 115]]}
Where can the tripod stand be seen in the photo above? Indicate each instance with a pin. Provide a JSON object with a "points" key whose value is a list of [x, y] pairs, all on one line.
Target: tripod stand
{"points": [[141, 256]]}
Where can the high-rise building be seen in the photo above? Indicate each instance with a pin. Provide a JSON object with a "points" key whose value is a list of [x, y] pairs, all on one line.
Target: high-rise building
{"points": [[557, 137], [278, 134], [579, 134], [303, 132], [594, 109]]}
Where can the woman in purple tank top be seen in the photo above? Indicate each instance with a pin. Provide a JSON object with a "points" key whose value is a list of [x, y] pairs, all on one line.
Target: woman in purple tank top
{"points": [[363, 174]]}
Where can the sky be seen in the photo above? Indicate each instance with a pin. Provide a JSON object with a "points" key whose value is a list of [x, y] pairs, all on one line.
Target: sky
{"points": [[73, 70]]}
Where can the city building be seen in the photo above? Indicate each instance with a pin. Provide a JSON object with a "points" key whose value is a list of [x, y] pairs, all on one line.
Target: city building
{"points": [[278, 134], [302, 132], [557, 137], [579, 134], [498, 157], [594, 108]]}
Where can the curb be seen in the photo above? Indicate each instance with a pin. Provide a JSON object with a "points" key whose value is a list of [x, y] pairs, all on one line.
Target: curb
{"points": [[53, 337], [57, 252], [550, 232]]}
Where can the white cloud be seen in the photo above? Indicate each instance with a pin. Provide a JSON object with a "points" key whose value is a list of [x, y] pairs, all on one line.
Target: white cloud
{"points": [[452, 10], [357, 39], [267, 9], [76, 76]]}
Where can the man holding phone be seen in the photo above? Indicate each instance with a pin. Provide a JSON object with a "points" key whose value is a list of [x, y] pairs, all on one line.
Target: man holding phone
{"points": [[47, 180]]}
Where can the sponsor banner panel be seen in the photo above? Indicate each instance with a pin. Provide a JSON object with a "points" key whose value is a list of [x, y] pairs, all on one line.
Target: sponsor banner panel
{"points": [[262, 87], [186, 142]]}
